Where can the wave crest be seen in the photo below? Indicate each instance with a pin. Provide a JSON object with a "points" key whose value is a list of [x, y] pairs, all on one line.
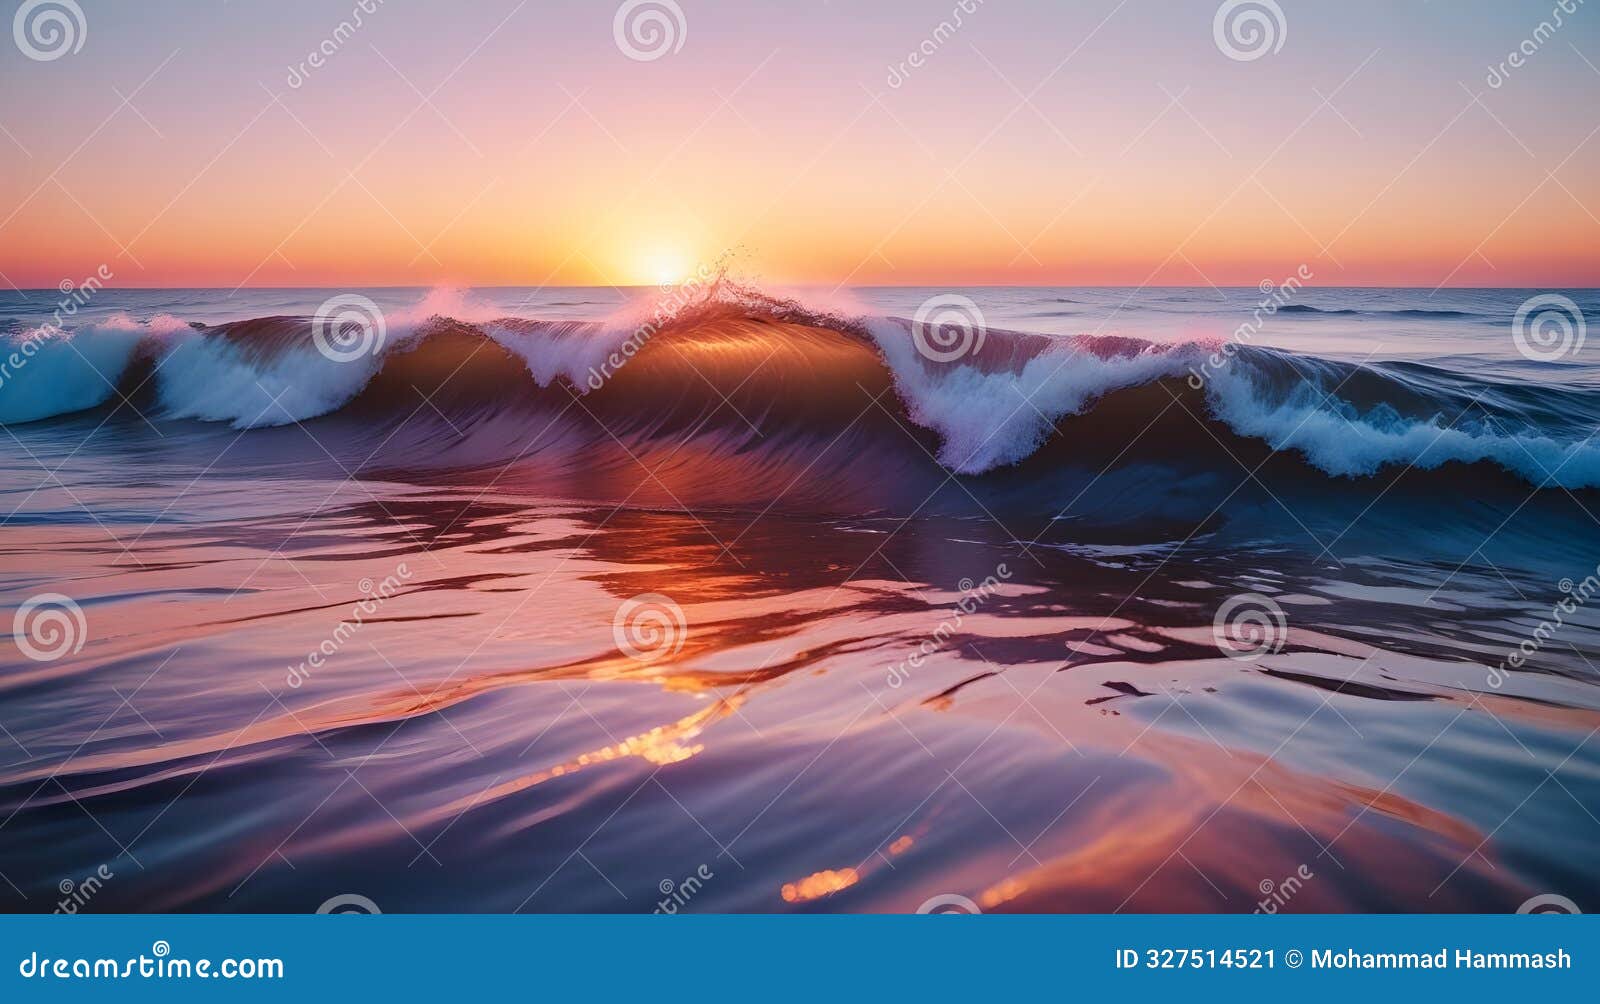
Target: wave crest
{"points": [[766, 373]]}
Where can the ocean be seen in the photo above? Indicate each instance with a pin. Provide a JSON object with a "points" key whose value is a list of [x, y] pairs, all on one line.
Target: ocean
{"points": [[719, 598]]}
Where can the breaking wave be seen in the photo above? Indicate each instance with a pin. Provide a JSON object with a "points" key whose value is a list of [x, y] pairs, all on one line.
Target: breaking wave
{"points": [[734, 372]]}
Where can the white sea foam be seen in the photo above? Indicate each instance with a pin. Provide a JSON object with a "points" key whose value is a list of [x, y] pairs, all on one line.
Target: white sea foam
{"points": [[992, 419], [46, 371], [213, 380], [217, 380], [986, 416], [1335, 439]]}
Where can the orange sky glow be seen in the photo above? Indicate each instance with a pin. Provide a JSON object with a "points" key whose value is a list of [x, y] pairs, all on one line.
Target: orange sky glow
{"points": [[1105, 144]]}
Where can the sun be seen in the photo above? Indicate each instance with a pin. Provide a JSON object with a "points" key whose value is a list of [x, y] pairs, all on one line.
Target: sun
{"points": [[663, 266]]}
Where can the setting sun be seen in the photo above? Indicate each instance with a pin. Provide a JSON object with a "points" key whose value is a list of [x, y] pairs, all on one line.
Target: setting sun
{"points": [[648, 457], [661, 266]]}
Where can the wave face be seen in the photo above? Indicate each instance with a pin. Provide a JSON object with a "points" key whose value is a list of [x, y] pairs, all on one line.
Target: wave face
{"points": [[759, 381], [744, 580]]}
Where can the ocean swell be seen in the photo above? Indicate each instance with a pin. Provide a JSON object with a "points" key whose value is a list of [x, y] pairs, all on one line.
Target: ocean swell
{"points": [[764, 375]]}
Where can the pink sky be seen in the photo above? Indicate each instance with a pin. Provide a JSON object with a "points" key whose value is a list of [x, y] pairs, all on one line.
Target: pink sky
{"points": [[507, 143]]}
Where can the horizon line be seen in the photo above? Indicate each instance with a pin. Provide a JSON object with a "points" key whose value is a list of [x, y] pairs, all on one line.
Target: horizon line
{"points": [[794, 285]]}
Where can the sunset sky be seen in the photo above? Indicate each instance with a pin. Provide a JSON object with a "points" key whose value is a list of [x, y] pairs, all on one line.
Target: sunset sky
{"points": [[1101, 142]]}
